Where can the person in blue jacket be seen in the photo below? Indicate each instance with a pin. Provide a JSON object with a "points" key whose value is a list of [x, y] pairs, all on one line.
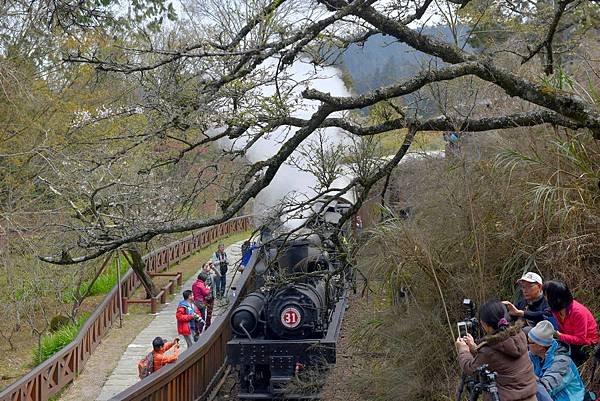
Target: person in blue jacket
{"points": [[558, 377], [247, 249]]}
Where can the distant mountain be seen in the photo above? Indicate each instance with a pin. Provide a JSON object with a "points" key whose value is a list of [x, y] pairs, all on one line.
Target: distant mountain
{"points": [[383, 61]]}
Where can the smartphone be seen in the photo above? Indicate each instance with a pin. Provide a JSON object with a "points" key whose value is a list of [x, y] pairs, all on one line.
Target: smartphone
{"points": [[462, 329]]}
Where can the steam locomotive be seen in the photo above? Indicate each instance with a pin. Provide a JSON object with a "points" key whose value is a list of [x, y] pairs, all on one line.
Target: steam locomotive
{"points": [[291, 323]]}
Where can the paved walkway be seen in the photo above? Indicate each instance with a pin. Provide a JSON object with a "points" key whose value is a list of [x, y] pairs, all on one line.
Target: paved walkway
{"points": [[164, 325]]}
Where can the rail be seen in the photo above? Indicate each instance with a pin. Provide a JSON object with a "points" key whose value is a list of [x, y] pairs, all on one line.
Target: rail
{"points": [[55, 373], [192, 377], [161, 297]]}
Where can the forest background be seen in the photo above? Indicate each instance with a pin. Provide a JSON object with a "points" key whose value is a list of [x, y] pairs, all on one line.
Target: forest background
{"points": [[509, 201]]}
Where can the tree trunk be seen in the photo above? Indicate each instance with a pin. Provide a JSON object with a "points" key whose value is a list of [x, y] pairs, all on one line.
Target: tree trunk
{"points": [[137, 264]]}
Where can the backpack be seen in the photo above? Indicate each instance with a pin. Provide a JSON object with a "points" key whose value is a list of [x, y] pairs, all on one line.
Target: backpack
{"points": [[146, 365]]}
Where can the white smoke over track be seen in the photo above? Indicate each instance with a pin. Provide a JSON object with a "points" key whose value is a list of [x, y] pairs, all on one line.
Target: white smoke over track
{"points": [[290, 182]]}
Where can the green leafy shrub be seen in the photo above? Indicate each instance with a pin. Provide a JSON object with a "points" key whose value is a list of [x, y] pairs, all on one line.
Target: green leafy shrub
{"points": [[54, 342]]}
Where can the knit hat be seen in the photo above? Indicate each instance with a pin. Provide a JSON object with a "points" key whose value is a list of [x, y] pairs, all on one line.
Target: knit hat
{"points": [[531, 277], [542, 333]]}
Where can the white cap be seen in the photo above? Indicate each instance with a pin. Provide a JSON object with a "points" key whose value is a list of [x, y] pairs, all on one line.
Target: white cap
{"points": [[531, 277]]}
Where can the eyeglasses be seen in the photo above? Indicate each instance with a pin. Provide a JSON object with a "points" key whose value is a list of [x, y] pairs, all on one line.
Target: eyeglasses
{"points": [[528, 286]]}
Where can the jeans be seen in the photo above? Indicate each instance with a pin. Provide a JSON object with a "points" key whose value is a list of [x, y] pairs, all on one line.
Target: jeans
{"points": [[542, 393], [199, 323], [188, 340], [220, 285]]}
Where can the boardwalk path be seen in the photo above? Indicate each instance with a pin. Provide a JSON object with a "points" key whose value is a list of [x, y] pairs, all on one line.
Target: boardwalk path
{"points": [[164, 325]]}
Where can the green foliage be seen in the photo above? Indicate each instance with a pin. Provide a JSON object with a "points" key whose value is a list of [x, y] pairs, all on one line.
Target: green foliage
{"points": [[54, 342], [103, 284], [560, 80]]}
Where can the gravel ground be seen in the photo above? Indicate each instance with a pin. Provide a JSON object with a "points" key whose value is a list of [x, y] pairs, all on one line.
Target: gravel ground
{"points": [[338, 383]]}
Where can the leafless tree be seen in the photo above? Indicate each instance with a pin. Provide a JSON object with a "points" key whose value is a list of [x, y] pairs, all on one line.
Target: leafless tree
{"points": [[225, 77]]}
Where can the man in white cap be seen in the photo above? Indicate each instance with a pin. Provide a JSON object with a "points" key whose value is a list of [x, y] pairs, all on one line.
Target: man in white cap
{"points": [[533, 307], [558, 377]]}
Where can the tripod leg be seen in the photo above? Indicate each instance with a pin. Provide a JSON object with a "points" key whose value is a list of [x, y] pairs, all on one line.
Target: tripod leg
{"points": [[461, 388], [474, 395]]}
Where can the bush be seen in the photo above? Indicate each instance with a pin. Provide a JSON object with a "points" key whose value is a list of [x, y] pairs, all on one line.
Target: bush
{"points": [[54, 342], [57, 322]]}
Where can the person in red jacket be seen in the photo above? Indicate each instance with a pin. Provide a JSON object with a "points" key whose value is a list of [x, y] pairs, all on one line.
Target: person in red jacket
{"points": [[187, 315], [158, 354], [576, 324], [200, 291]]}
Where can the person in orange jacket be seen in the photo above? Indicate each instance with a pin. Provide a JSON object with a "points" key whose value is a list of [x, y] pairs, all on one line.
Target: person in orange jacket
{"points": [[160, 347]]}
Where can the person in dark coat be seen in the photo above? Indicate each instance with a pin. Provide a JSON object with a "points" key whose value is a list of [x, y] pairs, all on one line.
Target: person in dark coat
{"points": [[504, 350], [532, 307]]}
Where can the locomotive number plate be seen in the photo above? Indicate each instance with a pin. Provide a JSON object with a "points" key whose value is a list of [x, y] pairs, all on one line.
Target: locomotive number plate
{"points": [[290, 318]]}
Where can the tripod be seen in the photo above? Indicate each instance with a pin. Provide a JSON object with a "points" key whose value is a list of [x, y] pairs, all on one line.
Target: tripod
{"points": [[482, 380]]}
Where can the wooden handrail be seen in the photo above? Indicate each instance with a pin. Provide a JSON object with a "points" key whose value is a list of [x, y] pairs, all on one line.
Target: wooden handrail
{"points": [[55, 373]]}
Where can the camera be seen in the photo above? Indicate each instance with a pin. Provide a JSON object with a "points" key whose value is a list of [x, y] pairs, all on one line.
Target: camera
{"points": [[469, 324]]}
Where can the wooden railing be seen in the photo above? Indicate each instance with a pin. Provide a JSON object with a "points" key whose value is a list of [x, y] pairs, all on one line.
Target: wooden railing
{"points": [[191, 378], [161, 297], [52, 375]]}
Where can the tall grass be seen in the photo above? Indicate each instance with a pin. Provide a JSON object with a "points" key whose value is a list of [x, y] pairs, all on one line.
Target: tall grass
{"points": [[51, 343], [475, 226]]}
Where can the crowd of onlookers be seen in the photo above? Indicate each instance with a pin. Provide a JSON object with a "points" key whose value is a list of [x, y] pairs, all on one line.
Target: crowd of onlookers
{"points": [[536, 345], [194, 311]]}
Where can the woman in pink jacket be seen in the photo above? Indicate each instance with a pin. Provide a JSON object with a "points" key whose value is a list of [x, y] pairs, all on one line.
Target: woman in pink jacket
{"points": [[200, 291], [576, 325]]}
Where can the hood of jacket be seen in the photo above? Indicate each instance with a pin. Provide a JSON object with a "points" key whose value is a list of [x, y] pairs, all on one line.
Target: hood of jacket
{"points": [[511, 342], [185, 304]]}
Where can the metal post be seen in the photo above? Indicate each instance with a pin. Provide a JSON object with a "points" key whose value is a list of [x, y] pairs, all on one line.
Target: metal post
{"points": [[119, 289]]}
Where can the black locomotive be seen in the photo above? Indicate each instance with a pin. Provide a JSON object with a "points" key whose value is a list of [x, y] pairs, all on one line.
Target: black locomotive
{"points": [[291, 322]]}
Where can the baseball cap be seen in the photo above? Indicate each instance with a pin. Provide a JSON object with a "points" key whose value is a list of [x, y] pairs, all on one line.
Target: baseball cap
{"points": [[531, 277]]}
